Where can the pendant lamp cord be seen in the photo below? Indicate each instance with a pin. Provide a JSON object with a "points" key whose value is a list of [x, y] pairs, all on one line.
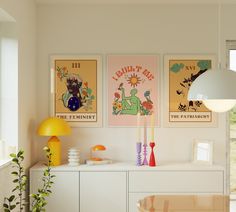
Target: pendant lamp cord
{"points": [[219, 34]]}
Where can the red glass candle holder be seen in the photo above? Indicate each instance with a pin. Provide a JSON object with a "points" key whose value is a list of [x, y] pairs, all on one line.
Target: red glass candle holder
{"points": [[152, 161]]}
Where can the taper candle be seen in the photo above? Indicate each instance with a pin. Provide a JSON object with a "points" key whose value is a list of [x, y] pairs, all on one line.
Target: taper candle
{"points": [[145, 130], [139, 129], [152, 127]]}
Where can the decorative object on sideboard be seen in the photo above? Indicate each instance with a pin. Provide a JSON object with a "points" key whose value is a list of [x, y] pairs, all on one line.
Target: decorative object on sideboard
{"points": [[145, 162], [152, 161], [73, 157], [138, 143], [202, 151], [97, 160], [138, 150], [54, 127]]}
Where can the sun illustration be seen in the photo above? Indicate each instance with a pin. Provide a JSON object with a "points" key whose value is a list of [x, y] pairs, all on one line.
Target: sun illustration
{"points": [[134, 80]]}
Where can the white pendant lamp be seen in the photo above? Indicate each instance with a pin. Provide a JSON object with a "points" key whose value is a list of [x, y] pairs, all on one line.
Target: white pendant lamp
{"points": [[216, 88]]}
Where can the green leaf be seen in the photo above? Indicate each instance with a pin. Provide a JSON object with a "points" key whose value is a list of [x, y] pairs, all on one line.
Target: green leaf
{"points": [[21, 152], [13, 190], [6, 210], [177, 67], [12, 207], [15, 160], [65, 97], [14, 173], [204, 64], [11, 198], [89, 91], [12, 155], [5, 205], [15, 181]]}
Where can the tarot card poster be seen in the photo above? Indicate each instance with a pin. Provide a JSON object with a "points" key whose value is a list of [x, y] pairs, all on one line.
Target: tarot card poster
{"points": [[133, 87], [75, 85], [181, 74]]}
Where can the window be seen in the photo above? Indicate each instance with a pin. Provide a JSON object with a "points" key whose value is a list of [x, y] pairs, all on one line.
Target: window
{"points": [[231, 48], [8, 88]]}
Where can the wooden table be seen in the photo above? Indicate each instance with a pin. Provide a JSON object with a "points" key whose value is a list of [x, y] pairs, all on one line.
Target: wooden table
{"points": [[184, 203]]}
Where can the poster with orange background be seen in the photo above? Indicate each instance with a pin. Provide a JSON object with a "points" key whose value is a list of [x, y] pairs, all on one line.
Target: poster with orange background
{"points": [[180, 73], [76, 87]]}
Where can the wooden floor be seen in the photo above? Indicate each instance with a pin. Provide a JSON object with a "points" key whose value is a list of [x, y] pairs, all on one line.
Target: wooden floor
{"points": [[167, 203]]}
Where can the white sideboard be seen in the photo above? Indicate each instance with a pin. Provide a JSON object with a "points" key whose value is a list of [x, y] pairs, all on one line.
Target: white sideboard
{"points": [[117, 187]]}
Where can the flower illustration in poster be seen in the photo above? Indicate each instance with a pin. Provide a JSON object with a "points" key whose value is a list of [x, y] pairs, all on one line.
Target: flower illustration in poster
{"points": [[77, 93], [132, 88], [75, 86]]}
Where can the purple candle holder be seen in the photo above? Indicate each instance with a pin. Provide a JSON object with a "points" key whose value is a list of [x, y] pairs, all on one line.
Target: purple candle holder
{"points": [[145, 162], [138, 151]]}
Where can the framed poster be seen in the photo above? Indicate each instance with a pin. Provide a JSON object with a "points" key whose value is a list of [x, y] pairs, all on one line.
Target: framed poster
{"points": [[76, 89], [180, 72], [133, 87], [202, 151]]}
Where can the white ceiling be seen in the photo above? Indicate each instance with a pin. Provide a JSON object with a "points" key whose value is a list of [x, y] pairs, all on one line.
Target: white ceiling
{"points": [[136, 1]]}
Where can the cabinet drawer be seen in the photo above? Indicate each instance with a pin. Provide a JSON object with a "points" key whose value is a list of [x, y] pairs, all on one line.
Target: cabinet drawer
{"points": [[177, 181]]}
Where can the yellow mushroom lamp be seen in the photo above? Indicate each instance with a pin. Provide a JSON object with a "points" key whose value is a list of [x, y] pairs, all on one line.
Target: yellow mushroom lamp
{"points": [[54, 127]]}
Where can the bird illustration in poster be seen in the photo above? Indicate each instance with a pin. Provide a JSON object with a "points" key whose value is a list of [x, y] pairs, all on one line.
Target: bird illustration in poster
{"points": [[132, 88], [181, 73], [182, 78]]}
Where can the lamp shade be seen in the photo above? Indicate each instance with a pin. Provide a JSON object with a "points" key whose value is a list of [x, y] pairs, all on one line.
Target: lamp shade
{"points": [[54, 127], [98, 148], [216, 88]]}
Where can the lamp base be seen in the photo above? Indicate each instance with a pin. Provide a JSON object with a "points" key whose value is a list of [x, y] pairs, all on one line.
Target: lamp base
{"points": [[54, 145]]}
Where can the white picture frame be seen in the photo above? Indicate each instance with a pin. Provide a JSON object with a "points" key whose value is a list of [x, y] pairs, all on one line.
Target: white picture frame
{"points": [[203, 152]]}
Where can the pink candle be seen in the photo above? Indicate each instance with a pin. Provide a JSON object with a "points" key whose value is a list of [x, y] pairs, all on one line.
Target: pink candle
{"points": [[139, 129], [145, 130]]}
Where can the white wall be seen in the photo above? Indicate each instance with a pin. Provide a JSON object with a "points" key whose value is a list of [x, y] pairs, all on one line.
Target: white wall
{"points": [[24, 14], [125, 29]]}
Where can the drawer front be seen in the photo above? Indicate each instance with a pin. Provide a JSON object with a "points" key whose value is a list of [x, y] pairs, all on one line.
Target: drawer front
{"points": [[177, 181]]}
